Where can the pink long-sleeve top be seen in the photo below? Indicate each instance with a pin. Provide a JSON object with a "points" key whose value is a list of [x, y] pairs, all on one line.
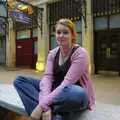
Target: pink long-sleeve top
{"points": [[78, 71]]}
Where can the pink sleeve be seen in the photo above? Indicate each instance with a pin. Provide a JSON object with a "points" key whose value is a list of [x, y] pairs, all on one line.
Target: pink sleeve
{"points": [[78, 66], [46, 82]]}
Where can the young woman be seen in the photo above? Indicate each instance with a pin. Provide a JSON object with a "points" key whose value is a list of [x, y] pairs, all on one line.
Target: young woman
{"points": [[66, 86]]}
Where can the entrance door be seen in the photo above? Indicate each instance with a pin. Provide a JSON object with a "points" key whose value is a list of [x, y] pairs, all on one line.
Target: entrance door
{"points": [[24, 52], [107, 51], [114, 50]]}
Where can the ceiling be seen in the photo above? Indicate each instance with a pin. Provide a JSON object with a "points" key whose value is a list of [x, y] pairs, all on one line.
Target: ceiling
{"points": [[37, 2], [23, 9], [25, 5], [16, 5]]}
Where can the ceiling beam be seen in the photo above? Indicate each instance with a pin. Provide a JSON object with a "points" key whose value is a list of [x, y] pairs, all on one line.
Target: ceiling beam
{"points": [[40, 2]]}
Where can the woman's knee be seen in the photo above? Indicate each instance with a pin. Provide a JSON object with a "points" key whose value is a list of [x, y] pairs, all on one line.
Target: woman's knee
{"points": [[72, 98], [75, 93], [18, 80]]}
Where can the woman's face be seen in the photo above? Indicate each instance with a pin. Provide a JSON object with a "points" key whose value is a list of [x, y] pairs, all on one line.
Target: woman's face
{"points": [[63, 35]]}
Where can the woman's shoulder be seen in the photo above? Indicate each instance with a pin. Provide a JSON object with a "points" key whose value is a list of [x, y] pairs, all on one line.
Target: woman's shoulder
{"points": [[80, 54], [53, 51], [80, 50]]}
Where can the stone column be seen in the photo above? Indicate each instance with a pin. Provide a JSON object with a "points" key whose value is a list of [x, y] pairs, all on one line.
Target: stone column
{"points": [[43, 40], [10, 45], [87, 33]]}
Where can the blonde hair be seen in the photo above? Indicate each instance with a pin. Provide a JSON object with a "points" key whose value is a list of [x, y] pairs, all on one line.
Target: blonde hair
{"points": [[68, 23]]}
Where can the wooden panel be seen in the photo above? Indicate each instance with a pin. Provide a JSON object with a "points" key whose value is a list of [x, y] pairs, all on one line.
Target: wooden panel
{"points": [[24, 52]]}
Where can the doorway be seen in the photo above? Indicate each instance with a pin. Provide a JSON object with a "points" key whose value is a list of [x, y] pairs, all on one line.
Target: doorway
{"points": [[107, 50], [26, 55]]}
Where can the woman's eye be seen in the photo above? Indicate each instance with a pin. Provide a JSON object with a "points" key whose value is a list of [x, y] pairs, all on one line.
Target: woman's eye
{"points": [[65, 32], [58, 32], [62, 32]]}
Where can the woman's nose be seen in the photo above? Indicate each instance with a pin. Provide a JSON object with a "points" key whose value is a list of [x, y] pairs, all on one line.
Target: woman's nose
{"points": [[61, 34]]}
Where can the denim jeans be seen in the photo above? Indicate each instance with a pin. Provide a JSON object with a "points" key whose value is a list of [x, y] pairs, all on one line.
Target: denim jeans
{"points": [[71, 99]]}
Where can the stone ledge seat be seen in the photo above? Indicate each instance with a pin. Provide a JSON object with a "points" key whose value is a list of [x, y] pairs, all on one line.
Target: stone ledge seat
{"points": [[10, 100]]}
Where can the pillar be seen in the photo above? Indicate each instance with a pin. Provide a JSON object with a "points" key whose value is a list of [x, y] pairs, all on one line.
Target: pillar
{"points": [[10, 45], [43, 39], [87, 32]]}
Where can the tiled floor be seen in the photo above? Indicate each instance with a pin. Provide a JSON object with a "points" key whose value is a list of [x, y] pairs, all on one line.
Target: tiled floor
{"points": [[106, 87], [8, 75]]}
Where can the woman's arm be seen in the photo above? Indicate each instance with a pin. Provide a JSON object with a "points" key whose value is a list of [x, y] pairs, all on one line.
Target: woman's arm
{"points": [[46, 82]]}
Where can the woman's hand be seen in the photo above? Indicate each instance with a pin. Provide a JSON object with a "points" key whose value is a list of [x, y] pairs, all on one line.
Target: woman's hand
{"points": [[37, 113], [47, 115]]}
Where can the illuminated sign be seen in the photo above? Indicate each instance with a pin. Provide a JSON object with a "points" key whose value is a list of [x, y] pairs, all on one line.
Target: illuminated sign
{"points": [[20, 16]]}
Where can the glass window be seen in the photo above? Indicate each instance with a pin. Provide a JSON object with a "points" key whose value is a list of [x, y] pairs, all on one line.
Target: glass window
{"points": [[79, 39], [78, 26], [23, 34], [2, 30], [35, 32], [115, 21], [53, 41], [100, 23], [3, 0], [3, 10]]}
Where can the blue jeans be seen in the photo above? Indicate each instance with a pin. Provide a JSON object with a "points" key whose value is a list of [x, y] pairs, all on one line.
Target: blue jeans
{"points": [[71, 99]]}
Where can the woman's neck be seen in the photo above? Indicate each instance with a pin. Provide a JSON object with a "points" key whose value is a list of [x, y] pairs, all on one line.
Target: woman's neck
{"points": [[65, 50]]}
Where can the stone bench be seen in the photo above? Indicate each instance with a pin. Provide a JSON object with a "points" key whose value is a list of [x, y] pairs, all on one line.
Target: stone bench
{"points": [[10, 100]]}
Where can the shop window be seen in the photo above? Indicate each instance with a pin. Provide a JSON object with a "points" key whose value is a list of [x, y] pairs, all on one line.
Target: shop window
{"points": [[23, 34], [100, 23], [115, 21]]}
